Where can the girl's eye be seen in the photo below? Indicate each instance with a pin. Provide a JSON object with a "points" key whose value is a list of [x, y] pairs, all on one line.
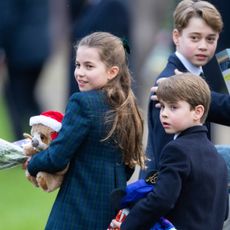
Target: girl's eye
{"points": [[77, 65], [211, 40], [89, 66]]}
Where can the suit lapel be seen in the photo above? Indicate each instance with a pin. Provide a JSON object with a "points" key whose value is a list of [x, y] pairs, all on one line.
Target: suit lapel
{"points": [[174, 60]]}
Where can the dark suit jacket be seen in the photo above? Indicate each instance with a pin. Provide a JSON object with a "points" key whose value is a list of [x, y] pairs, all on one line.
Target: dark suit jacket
{"points": [[83, 201], [191, 189], [157, 138]]}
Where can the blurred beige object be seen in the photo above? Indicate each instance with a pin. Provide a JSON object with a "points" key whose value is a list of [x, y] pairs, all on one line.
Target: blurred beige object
{"points": [[52, 88]]}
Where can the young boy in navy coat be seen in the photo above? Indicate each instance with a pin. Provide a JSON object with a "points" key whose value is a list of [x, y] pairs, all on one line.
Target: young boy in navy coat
{"points": [[191, 188]]}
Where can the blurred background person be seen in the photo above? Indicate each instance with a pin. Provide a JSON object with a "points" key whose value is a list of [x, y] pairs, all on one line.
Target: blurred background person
{"points": [[151, 41], [25, 46]]}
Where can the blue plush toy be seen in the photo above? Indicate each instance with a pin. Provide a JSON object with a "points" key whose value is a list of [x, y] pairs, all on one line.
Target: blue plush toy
{"points": [[134, 192]]}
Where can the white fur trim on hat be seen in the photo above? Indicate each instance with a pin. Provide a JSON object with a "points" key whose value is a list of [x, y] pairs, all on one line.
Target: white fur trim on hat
{"points": [[47, 121]]}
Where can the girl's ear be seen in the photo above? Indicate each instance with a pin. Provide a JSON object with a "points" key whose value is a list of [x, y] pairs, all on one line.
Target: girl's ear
{"points": [[198, 112], [113, 71], [175, 36]]}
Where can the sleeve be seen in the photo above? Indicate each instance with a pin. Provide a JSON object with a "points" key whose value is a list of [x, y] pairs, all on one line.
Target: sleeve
{"points": [[75, 126], [174, 168], [219, 109]]}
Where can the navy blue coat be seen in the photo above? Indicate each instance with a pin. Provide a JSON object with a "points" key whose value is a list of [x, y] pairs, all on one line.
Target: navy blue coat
{"points": [[24, 32], [157, 138], [191, 189], [83, 201]]}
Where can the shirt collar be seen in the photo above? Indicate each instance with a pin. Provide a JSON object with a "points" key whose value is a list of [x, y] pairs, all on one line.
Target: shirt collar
{"points": [[175, 136], [190, 67]]}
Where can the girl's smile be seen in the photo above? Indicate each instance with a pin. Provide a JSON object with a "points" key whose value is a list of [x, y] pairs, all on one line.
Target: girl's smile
{"points": [[90, 72]]}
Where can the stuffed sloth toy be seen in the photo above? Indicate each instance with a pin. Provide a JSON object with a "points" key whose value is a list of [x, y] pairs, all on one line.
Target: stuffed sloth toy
{"points": [[44, 129]]}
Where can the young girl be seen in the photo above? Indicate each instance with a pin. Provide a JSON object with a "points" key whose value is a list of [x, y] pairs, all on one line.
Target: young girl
{"points": [[100, 139]]}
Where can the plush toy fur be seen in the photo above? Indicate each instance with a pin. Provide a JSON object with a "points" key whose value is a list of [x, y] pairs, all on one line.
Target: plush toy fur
{"points": [[40, 139]]}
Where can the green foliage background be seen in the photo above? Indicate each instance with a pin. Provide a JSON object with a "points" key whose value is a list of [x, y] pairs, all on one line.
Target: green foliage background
{"points": [[22, 206]]}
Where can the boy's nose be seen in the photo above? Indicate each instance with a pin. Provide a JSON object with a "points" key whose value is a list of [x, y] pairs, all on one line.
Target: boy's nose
{"points": [[203, 44], [163, 113]]}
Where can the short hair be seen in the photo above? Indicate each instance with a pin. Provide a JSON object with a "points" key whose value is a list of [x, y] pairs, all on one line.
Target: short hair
{"points": [[186, 87], [188, 9]]}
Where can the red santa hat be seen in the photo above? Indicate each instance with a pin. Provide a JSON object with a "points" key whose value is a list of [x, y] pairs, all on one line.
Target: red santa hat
{"points": [[51, 119]]}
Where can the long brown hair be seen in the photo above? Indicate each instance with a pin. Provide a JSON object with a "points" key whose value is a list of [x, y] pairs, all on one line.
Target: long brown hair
{"points": [[127, 122]]}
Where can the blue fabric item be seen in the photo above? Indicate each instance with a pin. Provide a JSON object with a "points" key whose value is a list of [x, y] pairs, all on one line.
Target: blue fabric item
{"points": [[163, 224], [136, 191]]}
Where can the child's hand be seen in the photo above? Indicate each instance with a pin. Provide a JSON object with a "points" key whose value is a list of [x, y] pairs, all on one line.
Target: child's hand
{"points": [[115, 225], [154, 90], [154, 96], [120, 217]]}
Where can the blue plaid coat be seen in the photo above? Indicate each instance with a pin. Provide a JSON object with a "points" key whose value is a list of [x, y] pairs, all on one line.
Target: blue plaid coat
{"points": [[83, 201]]}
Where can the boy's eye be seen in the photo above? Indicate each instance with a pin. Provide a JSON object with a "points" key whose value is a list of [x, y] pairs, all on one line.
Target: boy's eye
{"points": [[195, 38], [173, 107], [211, 39]]}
